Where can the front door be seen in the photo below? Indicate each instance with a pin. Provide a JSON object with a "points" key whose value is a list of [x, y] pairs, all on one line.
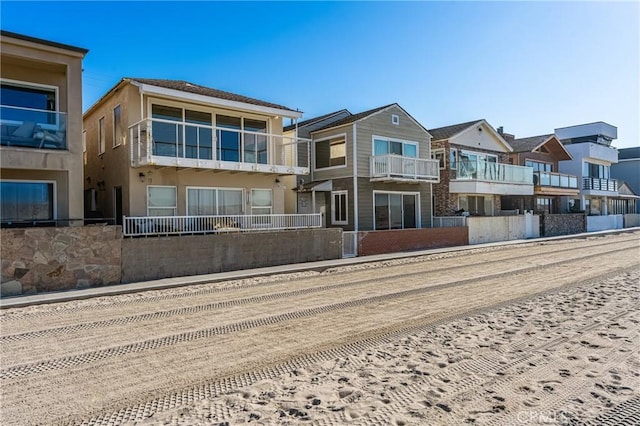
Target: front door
{"points": [[117, 204]]}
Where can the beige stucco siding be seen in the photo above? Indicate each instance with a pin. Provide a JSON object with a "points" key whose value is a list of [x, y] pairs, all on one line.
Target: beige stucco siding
{"points": [[31, 62]]}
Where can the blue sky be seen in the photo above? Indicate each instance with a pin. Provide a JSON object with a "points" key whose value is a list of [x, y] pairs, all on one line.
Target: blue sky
{"points": [[530, 67]]}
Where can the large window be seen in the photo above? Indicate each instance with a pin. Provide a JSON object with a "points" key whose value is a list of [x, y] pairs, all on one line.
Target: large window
{"points": [[339, 208], [241, 139], [539, 166], [331, 152], [396, 210], [214, 201], [544, 205], [593, 170], [476, 205], [24, 102], [384, 146], [117, 126], [181, 132], [161, 200], [27, 201]]}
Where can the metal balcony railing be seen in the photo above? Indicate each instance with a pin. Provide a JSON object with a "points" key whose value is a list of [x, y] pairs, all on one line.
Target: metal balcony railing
{"points": [[483, 170], [599, 184], [390, 167], [555, 180], [32, 128], [177, 225], [155, 140]]}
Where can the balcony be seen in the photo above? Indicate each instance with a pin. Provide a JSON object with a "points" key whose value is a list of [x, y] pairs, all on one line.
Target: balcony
{"points": [[487, 177], [599, 184], [396, 168], [156, 142], [32, 128], [551, 183], [185, 225]]}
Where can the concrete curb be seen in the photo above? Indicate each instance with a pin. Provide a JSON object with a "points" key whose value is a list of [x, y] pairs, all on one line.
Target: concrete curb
{"points": [[68, 295]]}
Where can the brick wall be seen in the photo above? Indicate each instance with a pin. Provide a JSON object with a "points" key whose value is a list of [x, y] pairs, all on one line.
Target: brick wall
{"points": [[162, 257], [391, 241], [36, 260]]}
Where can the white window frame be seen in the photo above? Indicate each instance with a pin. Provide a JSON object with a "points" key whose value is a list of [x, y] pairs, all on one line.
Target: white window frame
{"points": [[175, 207], [101, 135], [117, 139], [346, 156], [388, 139], [418, 207], [395, 119], [335, 195], [55, 190], [443, 153], [262, 207], [215, 188]]}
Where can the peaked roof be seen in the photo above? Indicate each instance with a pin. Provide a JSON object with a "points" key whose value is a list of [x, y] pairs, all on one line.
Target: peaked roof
{"points": [[354, 117], [529, 144], [313, 120], [448, 131], [185, 86]]}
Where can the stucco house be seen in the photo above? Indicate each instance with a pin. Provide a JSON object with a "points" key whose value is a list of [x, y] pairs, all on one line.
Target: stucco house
{"points": [[40, 132], [168, 148], [627, 170], [475, 171], [368, 171], [542, 153]]}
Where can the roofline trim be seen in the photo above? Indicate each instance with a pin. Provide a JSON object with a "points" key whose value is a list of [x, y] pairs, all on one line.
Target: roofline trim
{"points": [[44, 42]]}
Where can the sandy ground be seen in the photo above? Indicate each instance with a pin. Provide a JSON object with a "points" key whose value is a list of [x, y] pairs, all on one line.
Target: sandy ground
{"points": [[532, 334]]}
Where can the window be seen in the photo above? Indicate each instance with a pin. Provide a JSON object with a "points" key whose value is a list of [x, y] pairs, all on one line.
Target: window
{"points": [[161, 200], [261, 201], [395, 119], [101, 144], [476, 205], [117, 127], [28, 102], [331, 152], [84, 147], [214, 201], [475, 165], [544, 205], [453, 159], [593, 170], [241, 139], [339, 208], [384, 146], [539, 166], [439, 154], [181, 132], [396, 210], [27, 201]]}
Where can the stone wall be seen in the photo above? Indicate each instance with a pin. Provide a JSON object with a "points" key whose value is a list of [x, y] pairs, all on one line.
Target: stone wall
{"points": [[36, 260], [163, 257], [552, 225], [399, 240]]}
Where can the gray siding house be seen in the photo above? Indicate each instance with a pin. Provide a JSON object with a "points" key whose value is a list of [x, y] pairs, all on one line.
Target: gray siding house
{"points": [[368, 171]]}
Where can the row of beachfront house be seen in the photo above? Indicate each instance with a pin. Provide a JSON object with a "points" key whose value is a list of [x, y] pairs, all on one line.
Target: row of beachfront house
{"points": [[172, 157]]}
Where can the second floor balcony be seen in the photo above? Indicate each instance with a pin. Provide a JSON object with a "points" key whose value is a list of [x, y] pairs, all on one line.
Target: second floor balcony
{"points": [[599, 184], [397, 168], [489, 177], [167, 143], [552, 183], [32, 128]]}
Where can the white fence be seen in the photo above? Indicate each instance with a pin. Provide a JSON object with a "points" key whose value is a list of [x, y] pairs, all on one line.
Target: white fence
{"points": [[449, 221], [177, 225], [603, 223]]}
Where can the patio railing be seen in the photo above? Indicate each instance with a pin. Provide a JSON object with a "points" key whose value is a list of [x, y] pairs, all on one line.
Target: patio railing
{"points": [[178, 225], [449, 221], [390, 167], [32, 128]]}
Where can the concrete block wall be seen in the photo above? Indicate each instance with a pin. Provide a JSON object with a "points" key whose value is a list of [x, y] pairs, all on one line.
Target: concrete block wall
{"points": [[162, 257], [503, 228], [398, 240], [36, 260]]}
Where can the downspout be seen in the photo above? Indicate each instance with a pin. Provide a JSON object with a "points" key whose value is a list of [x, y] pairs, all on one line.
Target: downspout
{"points": [[431, 203], [355, 179]]}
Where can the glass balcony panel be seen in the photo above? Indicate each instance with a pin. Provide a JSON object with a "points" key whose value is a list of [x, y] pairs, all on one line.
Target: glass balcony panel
{"points": [[30, 128], [554, 180]]}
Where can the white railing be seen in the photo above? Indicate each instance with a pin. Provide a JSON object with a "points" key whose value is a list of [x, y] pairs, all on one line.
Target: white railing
{"points": [[449, 221], [494, 172], [155, 140], [398, 167], [177, 225]]}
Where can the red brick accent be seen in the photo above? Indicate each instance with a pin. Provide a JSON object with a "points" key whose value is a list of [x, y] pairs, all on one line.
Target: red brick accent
{"points": [[391, 241]]}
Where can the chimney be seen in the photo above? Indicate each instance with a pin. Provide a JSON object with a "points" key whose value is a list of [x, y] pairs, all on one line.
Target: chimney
{"points": [[500, 130]]}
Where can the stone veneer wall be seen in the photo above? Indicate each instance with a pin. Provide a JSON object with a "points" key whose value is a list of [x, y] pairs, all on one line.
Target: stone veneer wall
{"points": [[36, 260], [552, 225]]}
